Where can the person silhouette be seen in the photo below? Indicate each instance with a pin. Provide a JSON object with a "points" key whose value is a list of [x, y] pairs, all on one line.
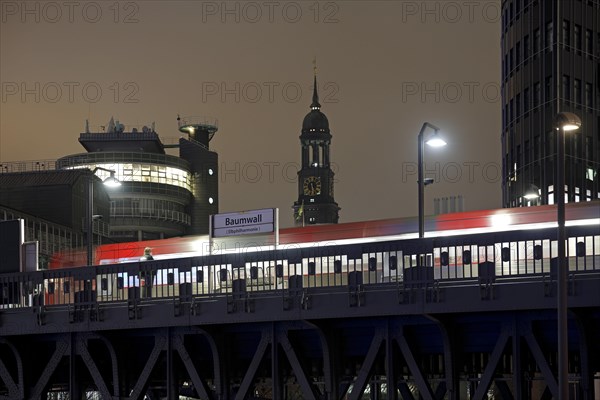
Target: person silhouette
{"points": [[146, 277], [147, 254]]}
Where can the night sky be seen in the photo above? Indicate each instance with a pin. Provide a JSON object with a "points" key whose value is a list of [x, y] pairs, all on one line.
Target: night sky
{"points": [[383, 67]]}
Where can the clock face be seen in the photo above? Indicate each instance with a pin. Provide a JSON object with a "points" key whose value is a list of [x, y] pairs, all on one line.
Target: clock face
{"points": [[312, 186]]}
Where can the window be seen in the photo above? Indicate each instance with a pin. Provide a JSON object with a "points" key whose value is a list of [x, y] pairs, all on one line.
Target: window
{"points": [[577, 31], [518, 54], [518, 106], [511, 110], [566, 86], [577, 92], [526, 48], [526, 100], [536, 149], [537, 94], [589, 45], [548, 89], [566, 33], [548, 39], [589, 100], [510, 60], [550, 143], [536, 42]]}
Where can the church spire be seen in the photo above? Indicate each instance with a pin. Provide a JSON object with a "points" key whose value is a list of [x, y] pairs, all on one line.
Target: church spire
{"points": [[315, 204], [315, 100]]}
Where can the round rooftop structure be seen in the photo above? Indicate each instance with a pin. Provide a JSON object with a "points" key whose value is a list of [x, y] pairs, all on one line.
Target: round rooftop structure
{"points": [[195, 124]]}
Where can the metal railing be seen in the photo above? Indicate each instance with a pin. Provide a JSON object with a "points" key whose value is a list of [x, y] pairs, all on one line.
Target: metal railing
{"points": [[465, 260]]}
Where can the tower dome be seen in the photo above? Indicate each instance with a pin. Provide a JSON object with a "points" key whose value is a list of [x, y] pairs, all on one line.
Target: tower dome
{"points": [[315, 121]]}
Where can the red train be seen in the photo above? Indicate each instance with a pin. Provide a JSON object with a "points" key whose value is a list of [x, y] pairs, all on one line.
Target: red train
{"points": [[352, 232]]}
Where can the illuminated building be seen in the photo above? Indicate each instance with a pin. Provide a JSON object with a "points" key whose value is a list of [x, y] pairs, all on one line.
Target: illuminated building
{"points": [[162, 195], [550, 64]]}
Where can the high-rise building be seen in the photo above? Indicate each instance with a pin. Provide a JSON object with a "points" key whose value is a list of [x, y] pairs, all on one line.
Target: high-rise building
{"points": [[161, 195], [550, 64], [315, 204]]}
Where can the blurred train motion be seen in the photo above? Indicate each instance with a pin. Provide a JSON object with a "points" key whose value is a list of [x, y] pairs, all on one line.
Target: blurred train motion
{"points": [[471, 222]]}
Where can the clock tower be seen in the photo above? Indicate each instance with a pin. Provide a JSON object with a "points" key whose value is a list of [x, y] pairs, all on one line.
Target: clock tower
{"points": [[315, 204]]}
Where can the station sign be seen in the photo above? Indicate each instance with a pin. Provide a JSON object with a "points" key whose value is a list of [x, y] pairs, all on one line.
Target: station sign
{"points": [[243, 223]]}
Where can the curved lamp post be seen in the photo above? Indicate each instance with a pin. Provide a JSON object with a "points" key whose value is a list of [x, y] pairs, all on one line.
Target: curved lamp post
{"points": [[112, 182], [434, 141], [565, 122]]}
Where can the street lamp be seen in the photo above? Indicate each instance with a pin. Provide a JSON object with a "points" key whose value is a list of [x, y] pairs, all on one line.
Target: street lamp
{"points": [[565, 122], [532, 193], [112, 182], [434, 141]]}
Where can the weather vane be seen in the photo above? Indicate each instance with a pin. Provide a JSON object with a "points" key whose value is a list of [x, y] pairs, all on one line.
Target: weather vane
{"points": [[315, 65]]}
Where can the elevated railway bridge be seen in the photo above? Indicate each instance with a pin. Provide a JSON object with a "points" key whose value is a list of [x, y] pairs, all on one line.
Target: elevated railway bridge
{"points": [[456, 317]]}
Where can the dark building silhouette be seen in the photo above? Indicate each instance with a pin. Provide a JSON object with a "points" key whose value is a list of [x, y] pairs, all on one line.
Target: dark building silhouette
{"points": [[54, 206], [315, 204], [550, 64]]}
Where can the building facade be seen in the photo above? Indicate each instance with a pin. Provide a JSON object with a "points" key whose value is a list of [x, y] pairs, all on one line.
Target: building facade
{"points": [[550, 64], [33, 195], [315, 204], [161, 195]]}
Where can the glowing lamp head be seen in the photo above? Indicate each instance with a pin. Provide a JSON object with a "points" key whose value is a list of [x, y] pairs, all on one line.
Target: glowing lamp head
{"points": [[112, 182], [531, 196], [532, 193], [568, 121], [436, 140]]}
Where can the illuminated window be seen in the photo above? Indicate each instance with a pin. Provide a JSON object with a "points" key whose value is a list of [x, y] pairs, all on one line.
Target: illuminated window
{"points": [[143, 173]]}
